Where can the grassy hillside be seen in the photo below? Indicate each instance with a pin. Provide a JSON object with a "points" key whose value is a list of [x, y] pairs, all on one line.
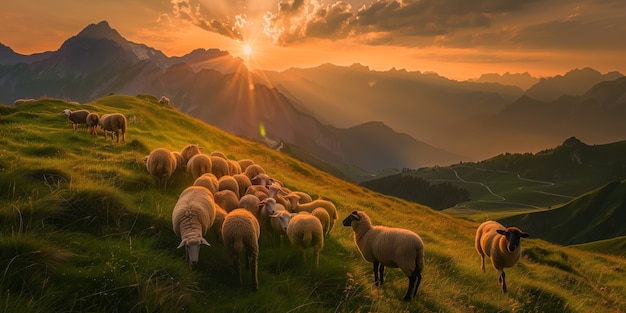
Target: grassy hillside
{"points": [[84, 229]]}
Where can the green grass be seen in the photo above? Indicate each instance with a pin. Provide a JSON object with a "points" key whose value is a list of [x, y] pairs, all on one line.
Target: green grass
{"points": [[83, 228]]}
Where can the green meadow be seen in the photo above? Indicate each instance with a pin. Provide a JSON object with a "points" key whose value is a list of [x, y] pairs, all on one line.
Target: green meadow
{"points": [[84, 229]]}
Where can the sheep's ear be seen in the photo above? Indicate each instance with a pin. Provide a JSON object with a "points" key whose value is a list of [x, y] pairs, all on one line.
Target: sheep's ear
{"points": [[204, 242], [356, 215], [501, 232], [182, 244], [524, 235]]}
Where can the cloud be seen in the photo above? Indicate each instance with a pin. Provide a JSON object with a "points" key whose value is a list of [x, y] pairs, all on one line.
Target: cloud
{"points": [[194, 13]]}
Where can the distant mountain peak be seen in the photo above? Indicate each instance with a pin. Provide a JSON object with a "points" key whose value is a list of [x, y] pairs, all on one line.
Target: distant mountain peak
{"points": [[101, 30]]}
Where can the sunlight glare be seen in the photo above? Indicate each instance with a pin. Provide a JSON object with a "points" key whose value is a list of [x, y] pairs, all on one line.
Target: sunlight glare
{"points": [[247, 50]]}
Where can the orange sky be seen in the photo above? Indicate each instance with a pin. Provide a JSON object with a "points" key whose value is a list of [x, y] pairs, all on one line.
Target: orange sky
{"points": [[457, 39]]}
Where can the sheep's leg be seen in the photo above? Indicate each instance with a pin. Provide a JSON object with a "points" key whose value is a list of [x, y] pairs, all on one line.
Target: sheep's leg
{"points": [[253, 264], [237, 266], [501, 280], [482, 262], [316, 256], [414, 281], [379, 272]]}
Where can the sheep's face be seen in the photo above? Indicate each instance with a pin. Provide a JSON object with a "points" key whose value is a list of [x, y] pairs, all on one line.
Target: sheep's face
{"points": [[192, 245], [354, 216], [513, 237], [67, 112], [268, 204]]}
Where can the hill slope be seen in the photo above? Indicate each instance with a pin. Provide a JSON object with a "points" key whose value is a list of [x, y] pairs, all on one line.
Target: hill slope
{"points": [[84, 229]]}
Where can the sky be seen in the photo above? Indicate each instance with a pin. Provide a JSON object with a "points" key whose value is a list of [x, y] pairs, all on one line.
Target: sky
{"points": [[458, 39]]}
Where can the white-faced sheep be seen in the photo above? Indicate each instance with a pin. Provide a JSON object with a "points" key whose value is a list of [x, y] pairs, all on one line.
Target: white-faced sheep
{"points": [[305, 231], [502, 245], [228, 182], [76, 117], [198, 165], [207, 180], [241, 230], [387, 246], [309, 207], [227, 199], [262, 179], [188, 151], [192, 217], [161, 164], [115, 123], [219, 166], [92, 123]]}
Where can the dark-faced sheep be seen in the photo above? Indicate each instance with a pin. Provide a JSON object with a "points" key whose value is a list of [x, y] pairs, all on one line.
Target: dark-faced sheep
{"points": [[502, 245], [391, 247], [161, 164], [76, 117], [115, 123]]}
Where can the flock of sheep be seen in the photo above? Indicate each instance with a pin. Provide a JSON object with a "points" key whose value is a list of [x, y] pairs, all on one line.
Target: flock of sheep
{"points": [[115, 123], [236, 199]]}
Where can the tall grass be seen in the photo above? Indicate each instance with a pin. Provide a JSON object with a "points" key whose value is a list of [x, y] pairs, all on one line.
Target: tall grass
{"points": [[83, 228]]}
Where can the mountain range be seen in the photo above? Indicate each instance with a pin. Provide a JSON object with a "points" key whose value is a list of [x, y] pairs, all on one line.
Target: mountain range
{"points": [[353, 116]]}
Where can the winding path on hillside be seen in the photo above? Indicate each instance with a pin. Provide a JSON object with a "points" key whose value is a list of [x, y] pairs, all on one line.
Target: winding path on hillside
{"points": [[501, 198]]}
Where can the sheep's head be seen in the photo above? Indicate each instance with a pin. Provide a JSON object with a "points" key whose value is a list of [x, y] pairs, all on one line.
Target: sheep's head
{"points": [[513, 236], [192, 245], [67, 112], [268, 204], [354, 216]]}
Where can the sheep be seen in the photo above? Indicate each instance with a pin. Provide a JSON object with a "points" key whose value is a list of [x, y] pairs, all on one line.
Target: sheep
{"points": [[324, 218], [219, 166], [92, 123], [262, 179], [228, 182], [227, 199], [198, 165], [180, 163], [220, 216], [233, 167], [250, 203], [219, 154], [387, 246], [76, 117], [253, 170], [278, 224], [260, 191], [309, 207], [161, 164], [209, 181], [192, 217], [241, 229], [164, 101], [244, 163], [243, 182], [114, 123], [305, 231], [502, 245], [188, 151]]}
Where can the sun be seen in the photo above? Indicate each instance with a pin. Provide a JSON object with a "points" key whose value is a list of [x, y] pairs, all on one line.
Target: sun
{"points": [[247, 50]]}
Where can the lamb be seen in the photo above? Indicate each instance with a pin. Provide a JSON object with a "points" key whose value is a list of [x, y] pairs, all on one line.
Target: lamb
{"points": [[502, 245], [114, 123], [386, 246], [198, 165], [188, 151], [241, 229], [309, 207], [305, 231], [92, 123], [192, 217], [161, 164], [76, 117], [209, 181]]}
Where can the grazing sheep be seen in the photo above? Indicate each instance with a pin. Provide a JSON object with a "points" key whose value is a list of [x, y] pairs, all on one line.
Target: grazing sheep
{"points": [[386, 246], [76, 117], [278, 224], [228, 182], [309, 207], [250, 203], [324, 218], [219, 166], [305, 231], [241, 230], [192, 217], [207, 180], [243, 182], [92, 123], [161, 164], [188, 151], [199, 165], [244, 163], [114, 123], [253, 170], [164, 100], [227, 199], [260, 191], [502, 245]]}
